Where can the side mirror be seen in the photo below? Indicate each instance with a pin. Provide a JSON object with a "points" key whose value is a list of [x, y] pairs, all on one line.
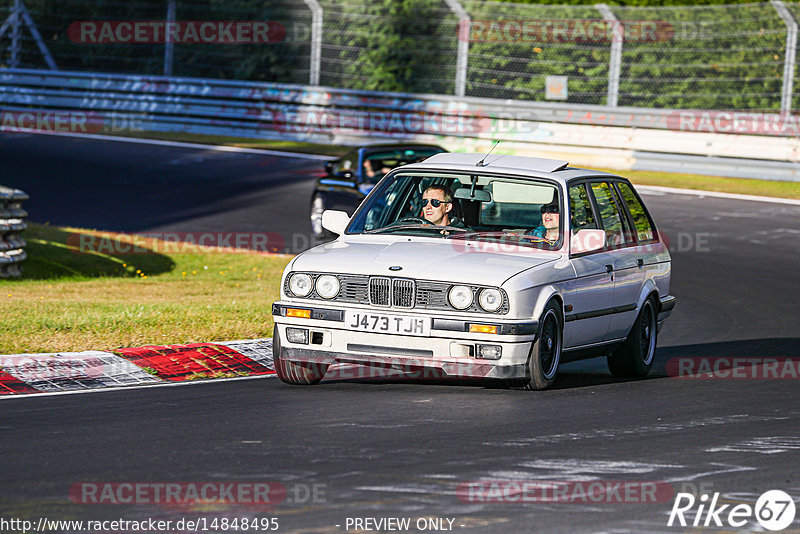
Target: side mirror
{"points": [[587, 240], [335, 221], [329, 167]]}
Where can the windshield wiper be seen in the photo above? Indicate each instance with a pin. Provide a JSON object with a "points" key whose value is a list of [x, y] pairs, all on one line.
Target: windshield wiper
{"points": [[488, 234], [416, 226]]}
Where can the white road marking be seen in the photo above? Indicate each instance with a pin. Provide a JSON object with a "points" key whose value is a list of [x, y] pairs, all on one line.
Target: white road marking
{"points": [[575, 466], [762, 445], [612, 433], [182, 144], [655, 189]]}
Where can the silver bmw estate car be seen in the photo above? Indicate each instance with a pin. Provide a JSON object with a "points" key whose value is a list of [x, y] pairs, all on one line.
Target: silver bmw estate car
{"points": [[481, 267]]}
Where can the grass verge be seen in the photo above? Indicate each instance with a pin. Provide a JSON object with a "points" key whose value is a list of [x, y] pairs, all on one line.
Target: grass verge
{"points": [[743, 186], [72, 301], [242, 142]]}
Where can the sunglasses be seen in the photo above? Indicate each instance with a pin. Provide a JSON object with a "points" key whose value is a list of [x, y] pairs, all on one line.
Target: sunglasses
{"points": [[435, 202], [549, 209]]}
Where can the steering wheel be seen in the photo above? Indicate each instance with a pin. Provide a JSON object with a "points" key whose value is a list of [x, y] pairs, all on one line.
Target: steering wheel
{"points": [[411, 219]]}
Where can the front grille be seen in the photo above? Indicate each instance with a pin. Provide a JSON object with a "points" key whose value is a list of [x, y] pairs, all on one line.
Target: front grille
{"points": [[379, 289], [432, 295], [397, 293], [403, 293], [354, 289]]}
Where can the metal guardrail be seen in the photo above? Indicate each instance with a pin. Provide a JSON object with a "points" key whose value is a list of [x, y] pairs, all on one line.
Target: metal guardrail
{"points": [[250, 105], [12, 224], [585, 134]]}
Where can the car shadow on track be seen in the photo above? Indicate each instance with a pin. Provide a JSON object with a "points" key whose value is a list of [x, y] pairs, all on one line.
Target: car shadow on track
{"points": [[732, 359], [671, 362]]}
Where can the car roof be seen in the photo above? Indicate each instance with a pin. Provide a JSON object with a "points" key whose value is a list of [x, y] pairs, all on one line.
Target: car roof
{"points": [[523, 166], [384, 146]]}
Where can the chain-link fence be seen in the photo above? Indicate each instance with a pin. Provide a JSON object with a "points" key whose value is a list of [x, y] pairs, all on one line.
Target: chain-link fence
{"points": [[739, 56], [215, 39]]}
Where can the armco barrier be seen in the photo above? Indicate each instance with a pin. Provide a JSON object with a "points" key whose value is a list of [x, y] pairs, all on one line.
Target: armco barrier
{"points": [[619, 137], [12, 244]]}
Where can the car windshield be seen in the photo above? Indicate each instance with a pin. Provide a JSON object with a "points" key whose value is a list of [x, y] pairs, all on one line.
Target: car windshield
{"points": [[522, 211], [378, 163]]}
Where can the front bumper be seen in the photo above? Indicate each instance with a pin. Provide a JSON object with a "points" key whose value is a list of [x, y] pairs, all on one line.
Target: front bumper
{"points": [[448, 352]]}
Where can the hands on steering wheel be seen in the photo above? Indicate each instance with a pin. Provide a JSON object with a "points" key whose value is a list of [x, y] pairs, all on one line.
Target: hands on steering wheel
{"points": [[412, 219]]}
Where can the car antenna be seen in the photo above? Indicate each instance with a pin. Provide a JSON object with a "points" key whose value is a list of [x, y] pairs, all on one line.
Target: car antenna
{"points": [[481, 162]]}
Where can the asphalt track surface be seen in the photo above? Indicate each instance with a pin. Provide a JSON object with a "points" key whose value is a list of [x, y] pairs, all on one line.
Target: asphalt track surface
{"points": [[387, 449]]}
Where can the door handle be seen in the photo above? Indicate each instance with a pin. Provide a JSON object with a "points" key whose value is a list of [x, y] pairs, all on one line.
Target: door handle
{"points": [[640, 262], [609, 268]]}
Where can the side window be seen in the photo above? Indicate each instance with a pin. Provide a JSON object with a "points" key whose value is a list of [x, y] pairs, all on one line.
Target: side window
{"points": [[346, 164], [644, 229], [609, 214], [580, 208]]}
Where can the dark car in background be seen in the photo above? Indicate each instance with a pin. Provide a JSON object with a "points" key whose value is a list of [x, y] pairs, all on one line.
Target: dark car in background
{"points": [[349, 179]]}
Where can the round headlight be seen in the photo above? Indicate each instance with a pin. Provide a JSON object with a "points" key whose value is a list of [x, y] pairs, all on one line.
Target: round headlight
{"points": [[490, 299], [460, 297], [327, 286], [300, 284]]}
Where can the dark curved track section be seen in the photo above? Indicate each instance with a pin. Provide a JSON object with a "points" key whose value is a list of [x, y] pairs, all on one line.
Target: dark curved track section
{"points": [[133, 187], [381, 449]]}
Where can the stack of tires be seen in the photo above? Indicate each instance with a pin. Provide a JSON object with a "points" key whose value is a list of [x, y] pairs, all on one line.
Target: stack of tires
{"points": [[12, 223]]}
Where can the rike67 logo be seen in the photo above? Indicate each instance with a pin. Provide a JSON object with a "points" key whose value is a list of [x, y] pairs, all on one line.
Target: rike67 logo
{"points": [[774, 510]]}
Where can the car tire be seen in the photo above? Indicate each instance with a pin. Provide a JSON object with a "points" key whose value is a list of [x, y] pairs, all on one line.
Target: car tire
{"points": [[545, 354], [315, 217], [635, 357], [291, 372]]}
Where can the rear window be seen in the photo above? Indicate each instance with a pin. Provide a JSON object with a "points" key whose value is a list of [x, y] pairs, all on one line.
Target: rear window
{"points": [[644, 228], [609, 214], [378, 163]]}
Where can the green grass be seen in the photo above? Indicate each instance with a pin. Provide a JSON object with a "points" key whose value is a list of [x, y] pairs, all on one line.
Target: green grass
{"points": [[243, 142], [71, 301], [742, 186]]}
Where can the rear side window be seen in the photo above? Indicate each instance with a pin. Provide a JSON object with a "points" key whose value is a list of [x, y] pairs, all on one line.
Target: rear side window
{"points": [[609, 214], [348, 163], [644, 228], [580, 208]]}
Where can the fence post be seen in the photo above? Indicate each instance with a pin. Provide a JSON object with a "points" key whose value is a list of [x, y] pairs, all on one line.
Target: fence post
{"points": [[16, 34], [791, 51], [615, 63], [316, 41], [26, 16], [169, 46], [463, 45]]}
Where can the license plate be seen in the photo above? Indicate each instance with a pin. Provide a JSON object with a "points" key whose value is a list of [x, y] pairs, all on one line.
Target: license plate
{"points": [[388, 324]]}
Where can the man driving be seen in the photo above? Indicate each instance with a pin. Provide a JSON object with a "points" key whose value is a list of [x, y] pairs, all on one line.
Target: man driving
{"points": [[437, 202]]}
